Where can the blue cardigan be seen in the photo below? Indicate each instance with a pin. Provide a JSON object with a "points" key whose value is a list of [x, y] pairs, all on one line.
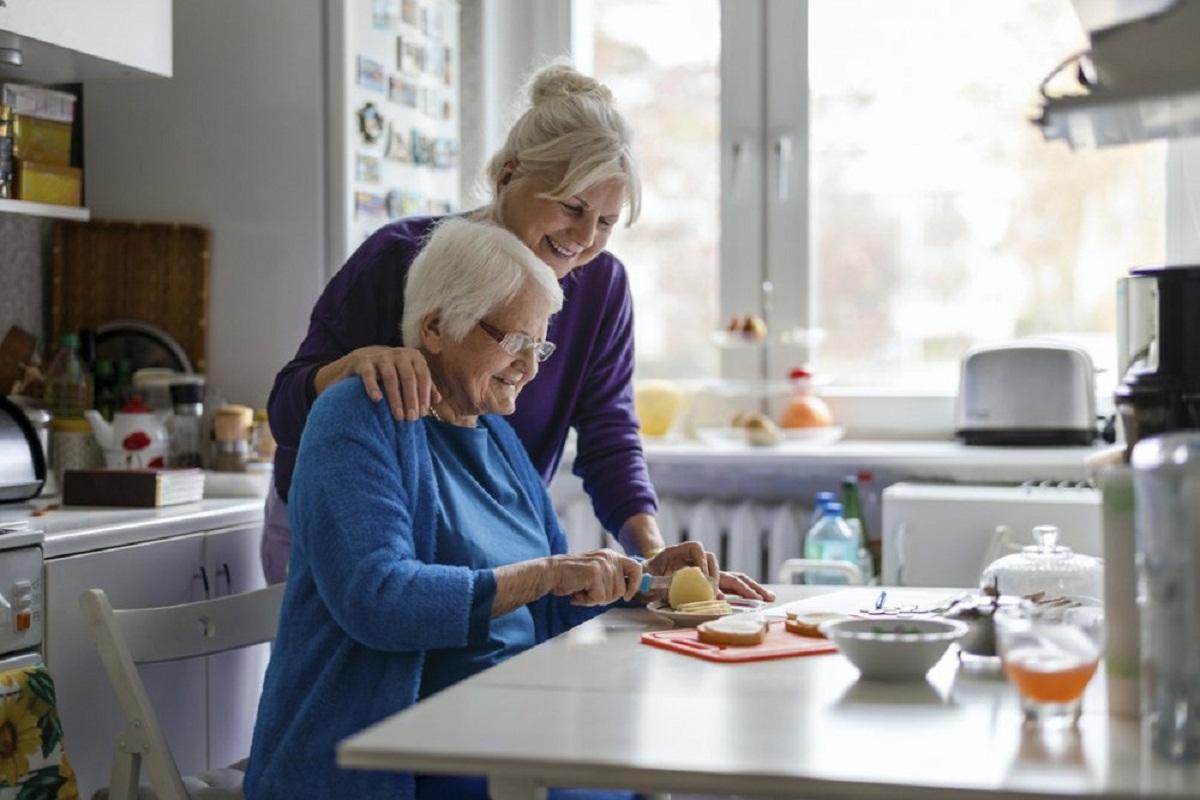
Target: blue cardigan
{"points": [[366, 597]]}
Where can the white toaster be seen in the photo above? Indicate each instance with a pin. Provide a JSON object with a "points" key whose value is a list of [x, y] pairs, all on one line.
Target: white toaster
{"points": [[1027, 393]]}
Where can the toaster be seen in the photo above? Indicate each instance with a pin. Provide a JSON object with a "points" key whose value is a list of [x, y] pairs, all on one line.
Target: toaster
{"points": [[1027, 393]]}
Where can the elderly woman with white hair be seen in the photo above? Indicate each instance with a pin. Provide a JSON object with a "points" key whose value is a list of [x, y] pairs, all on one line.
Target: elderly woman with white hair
{"points": [[425, 550], [564, 178]]}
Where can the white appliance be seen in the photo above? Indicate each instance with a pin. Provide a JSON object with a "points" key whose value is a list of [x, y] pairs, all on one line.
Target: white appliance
{"points": [[22, 625], [944, 535]]}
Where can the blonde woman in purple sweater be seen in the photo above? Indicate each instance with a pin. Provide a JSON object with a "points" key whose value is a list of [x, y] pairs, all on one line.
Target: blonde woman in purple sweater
{"points": [[561, 182]]}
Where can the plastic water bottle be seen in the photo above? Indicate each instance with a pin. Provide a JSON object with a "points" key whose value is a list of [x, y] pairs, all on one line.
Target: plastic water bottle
{"points": [[68, 383], [819, 506], [831, 539]]}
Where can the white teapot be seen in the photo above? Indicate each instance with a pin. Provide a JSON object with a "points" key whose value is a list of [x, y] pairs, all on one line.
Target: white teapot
{"points": [[136, 439]]}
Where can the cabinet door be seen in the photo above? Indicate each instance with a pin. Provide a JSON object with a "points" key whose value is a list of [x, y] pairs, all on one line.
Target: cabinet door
{"points": [[234, 678], [113, 39], [164, 572]]}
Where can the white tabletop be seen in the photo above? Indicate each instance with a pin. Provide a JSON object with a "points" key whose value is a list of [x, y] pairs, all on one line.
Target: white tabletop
{"points": [[597, 708]]}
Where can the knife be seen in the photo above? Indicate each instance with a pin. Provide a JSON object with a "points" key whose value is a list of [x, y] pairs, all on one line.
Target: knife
{"points": [[653, 582]]}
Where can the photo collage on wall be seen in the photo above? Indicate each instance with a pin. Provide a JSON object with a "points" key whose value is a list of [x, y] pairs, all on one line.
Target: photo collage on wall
{"points": [[407, 153]]}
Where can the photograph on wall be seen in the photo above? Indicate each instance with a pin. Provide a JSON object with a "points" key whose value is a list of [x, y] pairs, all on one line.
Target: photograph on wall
{"points": [[403, 92], [370, 74], [367, 168], [397, 147]]}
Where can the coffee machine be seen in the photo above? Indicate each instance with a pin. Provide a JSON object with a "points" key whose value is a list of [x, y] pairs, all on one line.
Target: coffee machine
{"points": [[1159, 339]]}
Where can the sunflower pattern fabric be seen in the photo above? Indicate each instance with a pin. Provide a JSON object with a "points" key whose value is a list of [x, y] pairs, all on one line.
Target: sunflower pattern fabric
{"points": [[33, 761]]}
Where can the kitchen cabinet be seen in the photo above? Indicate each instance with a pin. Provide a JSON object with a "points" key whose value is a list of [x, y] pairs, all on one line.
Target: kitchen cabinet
{"points": [[71, 41], [206, 707]]}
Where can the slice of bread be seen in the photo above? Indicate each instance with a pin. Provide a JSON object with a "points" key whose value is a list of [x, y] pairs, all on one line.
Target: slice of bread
{"points": [[739, 630], [808, 623]]}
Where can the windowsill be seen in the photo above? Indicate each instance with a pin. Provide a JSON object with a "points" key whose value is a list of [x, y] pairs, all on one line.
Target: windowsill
{"points": [[798, 470]]}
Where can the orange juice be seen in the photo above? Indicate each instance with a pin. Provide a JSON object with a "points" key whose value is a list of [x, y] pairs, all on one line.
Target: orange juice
{"points": [[1048, 678]]}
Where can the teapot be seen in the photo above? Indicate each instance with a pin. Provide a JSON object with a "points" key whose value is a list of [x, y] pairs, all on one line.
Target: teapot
{"points": [[136, 439]]}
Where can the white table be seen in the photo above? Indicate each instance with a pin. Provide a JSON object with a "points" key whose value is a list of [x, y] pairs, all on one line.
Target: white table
{"points": [[595, 708]]}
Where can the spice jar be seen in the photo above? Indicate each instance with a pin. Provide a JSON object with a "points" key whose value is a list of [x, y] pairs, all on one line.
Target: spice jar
{"points": [[232, 428], [187, 423]]}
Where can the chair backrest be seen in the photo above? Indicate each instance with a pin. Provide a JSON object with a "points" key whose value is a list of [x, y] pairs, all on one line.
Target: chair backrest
{"points": [[127, 637]]}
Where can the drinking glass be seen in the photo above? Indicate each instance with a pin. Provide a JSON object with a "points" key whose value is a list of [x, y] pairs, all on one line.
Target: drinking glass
{"points": [[1050, 654]]}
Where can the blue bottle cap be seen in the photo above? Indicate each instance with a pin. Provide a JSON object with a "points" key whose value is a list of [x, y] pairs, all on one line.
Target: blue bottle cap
{"points": [[825, 497], [833, 508]]}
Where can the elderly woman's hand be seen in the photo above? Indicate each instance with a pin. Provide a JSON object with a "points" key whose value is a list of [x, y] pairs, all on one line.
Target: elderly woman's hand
{"points": [[692, 554], [596, 578], [402, 371]]}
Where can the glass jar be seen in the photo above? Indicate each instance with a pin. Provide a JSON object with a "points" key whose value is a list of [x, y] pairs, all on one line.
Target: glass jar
{"points": [[1046, 567]]}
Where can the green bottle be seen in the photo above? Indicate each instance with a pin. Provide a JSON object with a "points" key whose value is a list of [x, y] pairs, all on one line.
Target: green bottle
{"points": [[852, 510]]}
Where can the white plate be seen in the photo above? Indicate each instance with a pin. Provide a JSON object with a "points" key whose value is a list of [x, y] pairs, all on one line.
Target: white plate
{"points": [[740, 605], [792, 437], [824, 435]]}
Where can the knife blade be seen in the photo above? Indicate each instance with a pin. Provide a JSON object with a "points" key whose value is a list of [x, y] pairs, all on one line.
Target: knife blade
{"points": [[656, 582]]}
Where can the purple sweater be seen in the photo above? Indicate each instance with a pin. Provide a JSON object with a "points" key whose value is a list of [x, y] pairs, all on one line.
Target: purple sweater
{"points": [[586, 384]]}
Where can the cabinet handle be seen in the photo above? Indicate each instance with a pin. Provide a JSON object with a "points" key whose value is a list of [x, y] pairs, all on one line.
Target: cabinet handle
{"points": [[203, 576], [228, 578], [783, 166]]}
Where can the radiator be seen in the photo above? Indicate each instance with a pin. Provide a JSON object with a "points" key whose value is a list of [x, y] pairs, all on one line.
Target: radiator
{"points": [[749, 536]]}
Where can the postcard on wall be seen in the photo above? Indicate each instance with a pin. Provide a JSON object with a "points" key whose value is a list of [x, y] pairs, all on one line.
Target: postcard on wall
{"points": [[384, 14], [403, 92], [367, 168], [410, 12], [370, 74], [397, 147], [410, 57], [369, 205]]}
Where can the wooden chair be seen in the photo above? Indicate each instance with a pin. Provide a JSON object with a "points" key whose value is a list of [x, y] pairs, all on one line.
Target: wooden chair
{"points": [[128, 637]]}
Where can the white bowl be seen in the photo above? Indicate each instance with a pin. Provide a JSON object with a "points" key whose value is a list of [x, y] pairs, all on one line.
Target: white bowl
{"points": [[894, 649]]}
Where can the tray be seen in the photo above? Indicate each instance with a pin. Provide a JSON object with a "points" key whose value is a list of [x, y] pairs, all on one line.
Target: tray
{"points": [[777, 644], [152, 273]]}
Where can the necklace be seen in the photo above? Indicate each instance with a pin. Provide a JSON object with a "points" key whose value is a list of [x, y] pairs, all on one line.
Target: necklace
{"points": [[433, 413]]}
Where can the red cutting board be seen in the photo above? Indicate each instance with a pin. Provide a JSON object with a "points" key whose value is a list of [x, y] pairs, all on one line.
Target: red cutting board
{"points": [[777, 644]]}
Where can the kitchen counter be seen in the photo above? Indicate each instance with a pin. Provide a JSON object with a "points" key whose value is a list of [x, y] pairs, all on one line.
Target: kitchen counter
{"points": [[70, 531]]}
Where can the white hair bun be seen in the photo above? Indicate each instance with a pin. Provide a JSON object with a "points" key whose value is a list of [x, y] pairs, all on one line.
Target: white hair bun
{"points": [[560, 81]]}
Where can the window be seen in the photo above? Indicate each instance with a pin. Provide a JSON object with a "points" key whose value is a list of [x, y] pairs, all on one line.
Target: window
{"points": [[665, 77], [940, 218], [933, 215]]}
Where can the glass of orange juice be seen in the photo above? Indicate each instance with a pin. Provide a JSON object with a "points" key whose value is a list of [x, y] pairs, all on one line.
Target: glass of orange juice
{"points": [[1050, 654]]}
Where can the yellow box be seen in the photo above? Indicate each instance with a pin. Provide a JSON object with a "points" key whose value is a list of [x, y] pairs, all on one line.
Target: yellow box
{"points": [[41, 140], [49, 183]]}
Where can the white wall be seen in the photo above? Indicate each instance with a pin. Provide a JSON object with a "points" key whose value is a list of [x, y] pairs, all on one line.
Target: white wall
{"points": [[1183, 201], [234, 142], [512, 38]]}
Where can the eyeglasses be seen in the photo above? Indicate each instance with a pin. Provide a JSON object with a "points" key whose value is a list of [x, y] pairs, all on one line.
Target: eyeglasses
{"points": [[517, 343]]}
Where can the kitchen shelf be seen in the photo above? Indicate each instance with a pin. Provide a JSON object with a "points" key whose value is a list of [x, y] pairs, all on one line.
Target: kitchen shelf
{"points": [[44, 210]]}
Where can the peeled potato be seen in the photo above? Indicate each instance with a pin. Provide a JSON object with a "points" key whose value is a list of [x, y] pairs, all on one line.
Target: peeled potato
{"points": [[689, 585]]}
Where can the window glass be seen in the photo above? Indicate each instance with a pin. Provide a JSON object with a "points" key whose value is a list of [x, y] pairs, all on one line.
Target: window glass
{"points": [[666, 79], [941, 219]]}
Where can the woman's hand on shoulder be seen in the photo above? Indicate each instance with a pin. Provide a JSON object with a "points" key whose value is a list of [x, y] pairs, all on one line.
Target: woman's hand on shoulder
{"points": [[595, 578], [400, 373]]}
